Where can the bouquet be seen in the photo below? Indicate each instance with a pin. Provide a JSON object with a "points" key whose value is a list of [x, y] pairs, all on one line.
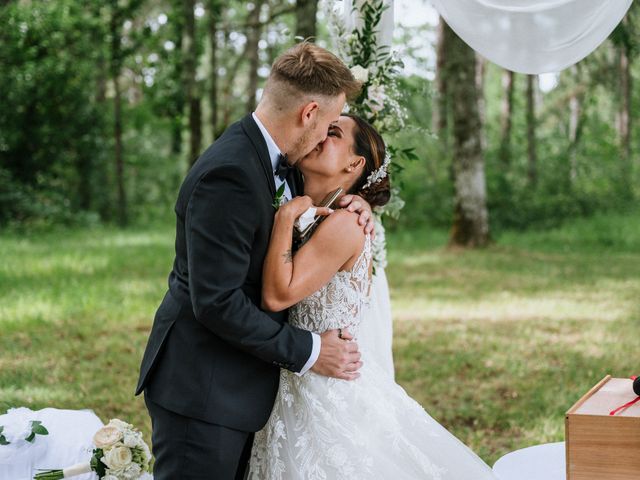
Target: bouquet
{"points": [[120, 454]]}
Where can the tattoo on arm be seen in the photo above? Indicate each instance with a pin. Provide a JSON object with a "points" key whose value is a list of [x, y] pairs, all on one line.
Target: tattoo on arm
{"points": [[288, 256]]}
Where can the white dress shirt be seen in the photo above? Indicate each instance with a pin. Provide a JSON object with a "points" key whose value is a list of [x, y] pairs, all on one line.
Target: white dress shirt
{"points": [[274, 155]]}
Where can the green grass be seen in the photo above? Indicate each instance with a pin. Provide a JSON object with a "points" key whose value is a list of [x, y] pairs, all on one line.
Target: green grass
{"points": [[496, 344]]}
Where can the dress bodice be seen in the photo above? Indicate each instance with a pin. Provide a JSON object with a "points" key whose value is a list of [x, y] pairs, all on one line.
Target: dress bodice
{"points": [[341, 302]]}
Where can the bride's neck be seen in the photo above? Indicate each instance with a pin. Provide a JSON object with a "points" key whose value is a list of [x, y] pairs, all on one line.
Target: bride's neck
{"points": [[317, 188]]}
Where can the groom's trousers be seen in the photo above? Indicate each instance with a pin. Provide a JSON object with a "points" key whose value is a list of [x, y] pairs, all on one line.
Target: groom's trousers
{"points": [[190, 449]]}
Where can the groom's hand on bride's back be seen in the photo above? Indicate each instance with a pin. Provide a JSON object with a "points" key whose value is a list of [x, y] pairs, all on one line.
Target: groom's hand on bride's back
{"points": [[355, 203], [339, 357]]}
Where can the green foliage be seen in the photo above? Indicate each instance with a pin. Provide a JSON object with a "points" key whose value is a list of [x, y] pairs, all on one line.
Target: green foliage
{"points": [[51, 130], [36, 429]]}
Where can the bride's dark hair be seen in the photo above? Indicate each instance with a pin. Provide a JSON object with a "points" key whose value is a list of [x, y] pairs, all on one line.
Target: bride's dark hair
{"points": [[369, 144]]}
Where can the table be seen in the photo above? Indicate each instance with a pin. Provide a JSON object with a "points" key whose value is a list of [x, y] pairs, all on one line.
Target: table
{"points": [[541, 462]]}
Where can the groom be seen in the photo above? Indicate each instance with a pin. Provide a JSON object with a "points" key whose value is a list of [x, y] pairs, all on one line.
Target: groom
{"points": [[211, 367]]}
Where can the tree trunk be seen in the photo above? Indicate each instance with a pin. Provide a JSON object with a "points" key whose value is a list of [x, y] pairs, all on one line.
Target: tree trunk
{"points": [[624, 115], [215, 11], [575, 124], [253, 53], [122, 195], [439, 114], [189, 50], [176, 110], [471, 219], [306, 13], [532, 161], [506, 117], [481, 71], [115, 69]]}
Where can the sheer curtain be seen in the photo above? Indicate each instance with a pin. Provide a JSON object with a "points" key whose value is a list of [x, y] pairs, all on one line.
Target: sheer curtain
{"points": [[533, 36], [527, 36]]}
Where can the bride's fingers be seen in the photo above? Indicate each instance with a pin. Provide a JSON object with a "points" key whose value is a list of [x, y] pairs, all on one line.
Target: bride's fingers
{"points": [[345, 200], [324, 211]]}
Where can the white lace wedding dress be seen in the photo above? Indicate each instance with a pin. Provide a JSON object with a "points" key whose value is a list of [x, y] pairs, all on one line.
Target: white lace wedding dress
{"points": [[328, 429]]}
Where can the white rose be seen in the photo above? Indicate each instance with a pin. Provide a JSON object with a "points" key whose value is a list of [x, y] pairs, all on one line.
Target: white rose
{"points": [[146, 451], [132, 472], [117, 458], [377, 97], [120, 425], [131, 439], [361, 74], [107, 436]]}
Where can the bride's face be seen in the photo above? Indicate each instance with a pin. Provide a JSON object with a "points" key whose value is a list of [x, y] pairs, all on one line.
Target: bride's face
{"points": [[335, 158]]}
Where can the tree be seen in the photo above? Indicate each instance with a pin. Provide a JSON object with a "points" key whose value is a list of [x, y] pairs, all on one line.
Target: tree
{"points": [[532, 157], [471, 220], [189, 68], [253, 52], [439, 113], [119, 13], [306, 13], [576, 120], [215, 14], [506, 117]]}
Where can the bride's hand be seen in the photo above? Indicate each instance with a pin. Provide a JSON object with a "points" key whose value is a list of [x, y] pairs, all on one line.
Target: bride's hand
{"points": [[297, 206], [355, 203], [339, 357]]}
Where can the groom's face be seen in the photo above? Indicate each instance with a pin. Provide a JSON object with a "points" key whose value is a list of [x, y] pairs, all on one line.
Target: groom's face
{"points": [[328, 112]]}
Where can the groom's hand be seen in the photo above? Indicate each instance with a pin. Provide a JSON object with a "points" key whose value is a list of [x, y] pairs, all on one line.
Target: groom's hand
{"points": [[339, 357], [355, 203]]}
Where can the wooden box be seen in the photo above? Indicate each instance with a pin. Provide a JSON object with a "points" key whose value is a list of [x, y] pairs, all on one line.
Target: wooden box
{"points": [[600, 446]]}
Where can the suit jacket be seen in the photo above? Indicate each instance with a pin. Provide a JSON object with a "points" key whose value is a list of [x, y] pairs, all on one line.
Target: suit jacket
{"points": [[212, 353]]}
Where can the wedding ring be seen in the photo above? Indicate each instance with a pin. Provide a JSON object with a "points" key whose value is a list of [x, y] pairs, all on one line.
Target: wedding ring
{"points": [[340, 334]]}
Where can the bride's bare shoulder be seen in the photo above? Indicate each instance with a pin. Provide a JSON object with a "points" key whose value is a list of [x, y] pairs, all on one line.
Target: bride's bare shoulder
{"points": [[343, 226]]}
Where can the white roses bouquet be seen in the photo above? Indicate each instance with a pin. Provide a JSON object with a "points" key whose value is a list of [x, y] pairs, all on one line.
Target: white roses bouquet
{"points": [[120, 454]]}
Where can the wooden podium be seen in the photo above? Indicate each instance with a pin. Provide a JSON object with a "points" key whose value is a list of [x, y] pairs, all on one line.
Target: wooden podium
{"points": [[600, 446]]}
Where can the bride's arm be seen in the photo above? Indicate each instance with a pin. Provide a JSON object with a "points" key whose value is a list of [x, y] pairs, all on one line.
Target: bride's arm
{"points": [[286, 278]]}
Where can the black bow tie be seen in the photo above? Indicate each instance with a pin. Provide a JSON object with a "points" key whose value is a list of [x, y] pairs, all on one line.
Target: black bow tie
{"points": [[283, 168]]}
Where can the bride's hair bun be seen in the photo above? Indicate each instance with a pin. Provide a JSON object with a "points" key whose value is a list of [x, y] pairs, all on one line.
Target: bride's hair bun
{"points": [[369, 144]]}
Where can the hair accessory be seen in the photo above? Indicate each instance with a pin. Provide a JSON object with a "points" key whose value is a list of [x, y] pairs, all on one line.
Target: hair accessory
{"points": [[379, 173]]}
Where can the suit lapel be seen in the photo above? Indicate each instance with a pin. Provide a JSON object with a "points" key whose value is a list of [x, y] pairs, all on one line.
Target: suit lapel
{"points": [[255, 135]]}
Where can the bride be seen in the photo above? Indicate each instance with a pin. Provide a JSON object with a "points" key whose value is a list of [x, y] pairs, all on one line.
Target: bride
{"points": [[326, 428]]}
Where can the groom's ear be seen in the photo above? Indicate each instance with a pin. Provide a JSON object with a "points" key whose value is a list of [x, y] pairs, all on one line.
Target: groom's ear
{"points": [[309, 113]]}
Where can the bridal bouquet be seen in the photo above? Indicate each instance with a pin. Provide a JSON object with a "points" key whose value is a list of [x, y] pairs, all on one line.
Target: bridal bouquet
{"points": [[120, 454]]}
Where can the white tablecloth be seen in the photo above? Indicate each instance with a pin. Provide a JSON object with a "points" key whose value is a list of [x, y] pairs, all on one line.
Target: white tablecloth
{"points": [[542, 462], [69, 442]]}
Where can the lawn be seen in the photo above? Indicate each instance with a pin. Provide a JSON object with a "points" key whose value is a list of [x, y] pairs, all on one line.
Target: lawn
{"points": [[496, 344]]}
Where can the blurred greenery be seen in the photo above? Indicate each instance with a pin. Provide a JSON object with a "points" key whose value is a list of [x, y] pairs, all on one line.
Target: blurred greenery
{"points": [[57, 136], [496, 344]]}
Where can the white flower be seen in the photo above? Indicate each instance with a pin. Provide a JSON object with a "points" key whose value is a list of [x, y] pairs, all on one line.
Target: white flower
{"points": [[110, 477], [133, 471], [107, 436], [361, 74], [376, 98], [17, 424], [120, 425], [146, 451], [117, 458], [131, 438]]}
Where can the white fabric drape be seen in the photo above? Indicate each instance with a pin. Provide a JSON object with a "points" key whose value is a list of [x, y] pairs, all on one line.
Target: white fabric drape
{"points": [[533, 36]]}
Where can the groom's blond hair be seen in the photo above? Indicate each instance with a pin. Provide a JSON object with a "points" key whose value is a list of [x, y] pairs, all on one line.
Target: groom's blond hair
{"points": [[307, 70]]}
